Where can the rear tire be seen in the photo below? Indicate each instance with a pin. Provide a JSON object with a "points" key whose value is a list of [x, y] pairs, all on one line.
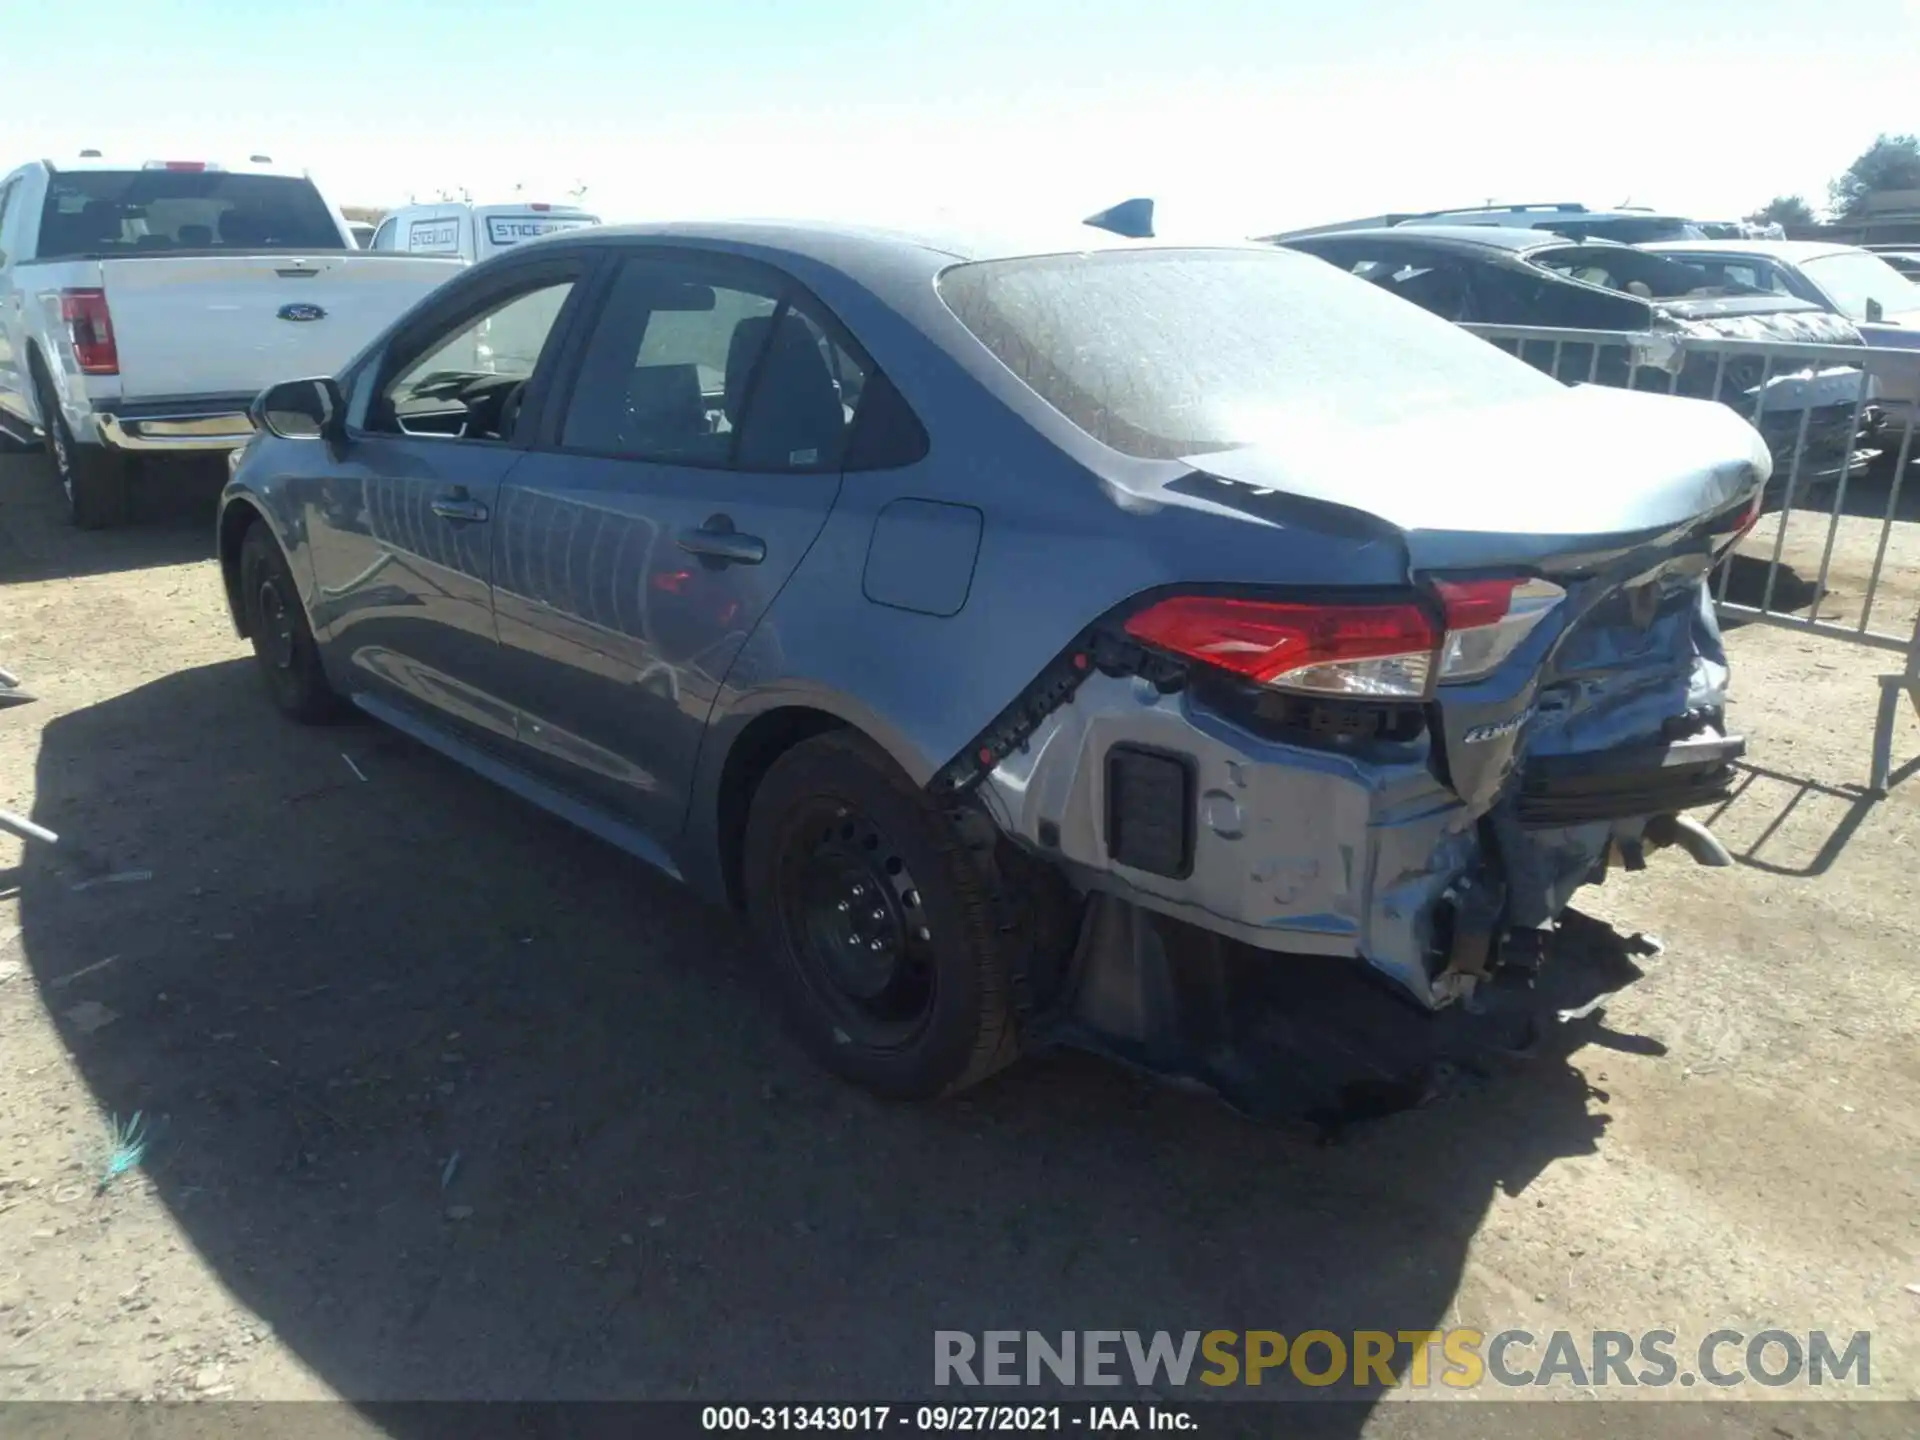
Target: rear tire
{"points": [[93, 479], [282, 639], [879, 923]]}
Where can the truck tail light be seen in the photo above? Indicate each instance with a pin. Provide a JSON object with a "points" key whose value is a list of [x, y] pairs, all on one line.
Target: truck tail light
{"points": [[1381, 650], [1487, 620], [84, 313], [1384, 650]]}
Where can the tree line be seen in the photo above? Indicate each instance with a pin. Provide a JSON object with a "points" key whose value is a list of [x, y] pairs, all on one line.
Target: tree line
{"points": [[1892, 162]]}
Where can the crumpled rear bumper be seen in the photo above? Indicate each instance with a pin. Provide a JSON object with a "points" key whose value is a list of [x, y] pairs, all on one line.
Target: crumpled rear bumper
{"points": [[1280, 846], [1315, 849]]}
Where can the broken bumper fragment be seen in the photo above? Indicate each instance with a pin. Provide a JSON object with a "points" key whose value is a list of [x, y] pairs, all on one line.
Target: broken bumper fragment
{"points": [[1339, 829]]}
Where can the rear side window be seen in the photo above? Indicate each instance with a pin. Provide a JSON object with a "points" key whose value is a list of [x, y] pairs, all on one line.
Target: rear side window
{"points": [[700, 365], [1166, 353], [137, 212]]}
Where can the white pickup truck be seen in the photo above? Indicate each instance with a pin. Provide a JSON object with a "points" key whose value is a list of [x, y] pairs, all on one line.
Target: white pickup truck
{"points": [[143, 306]]}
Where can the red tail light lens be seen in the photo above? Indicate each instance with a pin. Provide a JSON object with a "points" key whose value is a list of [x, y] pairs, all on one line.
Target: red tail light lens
{"points": [[1379, 650], [84, 312], [1391, 650]]}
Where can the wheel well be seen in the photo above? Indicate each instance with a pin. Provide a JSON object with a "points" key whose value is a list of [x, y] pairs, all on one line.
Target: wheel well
{"points": [[766, 738], [41, 376], [239, 517]]}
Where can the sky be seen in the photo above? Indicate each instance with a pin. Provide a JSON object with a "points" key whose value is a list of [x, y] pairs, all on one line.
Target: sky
{"points": [[1239, 116]]}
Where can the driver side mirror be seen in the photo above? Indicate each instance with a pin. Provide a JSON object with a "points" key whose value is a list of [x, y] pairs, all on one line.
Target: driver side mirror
{"points": [[303, 410], [1876, 312]]}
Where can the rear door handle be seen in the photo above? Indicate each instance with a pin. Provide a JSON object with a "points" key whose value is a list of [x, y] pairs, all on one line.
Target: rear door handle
{"points": [[718, 542], [459, 506]]}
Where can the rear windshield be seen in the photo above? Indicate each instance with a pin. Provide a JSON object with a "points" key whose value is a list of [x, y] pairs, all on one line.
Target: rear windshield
{"points": [[1163, 354], [1634, 272], [140, 212]]}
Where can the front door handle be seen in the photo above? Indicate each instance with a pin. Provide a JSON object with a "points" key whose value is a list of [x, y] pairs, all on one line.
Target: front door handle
{"points": [[718, 543], [459, 506]]}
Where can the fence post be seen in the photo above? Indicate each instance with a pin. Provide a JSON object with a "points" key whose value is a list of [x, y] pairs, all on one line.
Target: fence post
{"points": [[1890, 688]]}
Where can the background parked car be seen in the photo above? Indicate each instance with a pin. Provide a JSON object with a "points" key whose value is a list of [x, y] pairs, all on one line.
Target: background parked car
{"points": [[781, 564], [143, 306], [1906, 261], [474, 232], [1485, 275], [362, 233], [1864, 286], [1576, 222]]}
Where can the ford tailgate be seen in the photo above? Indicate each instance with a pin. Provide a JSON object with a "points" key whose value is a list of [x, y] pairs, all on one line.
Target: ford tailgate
{"points": [[232, 324]]}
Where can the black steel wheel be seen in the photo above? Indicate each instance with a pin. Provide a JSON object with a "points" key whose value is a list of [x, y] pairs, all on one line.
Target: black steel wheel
{"points": [[283, 645], [855, 921], [878, 921]]}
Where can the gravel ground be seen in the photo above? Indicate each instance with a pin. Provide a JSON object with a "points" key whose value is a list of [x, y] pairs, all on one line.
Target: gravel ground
{"points": [[446, 1100]]}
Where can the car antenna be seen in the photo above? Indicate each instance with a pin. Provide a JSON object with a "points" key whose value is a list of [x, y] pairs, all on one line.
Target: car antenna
{"points": [[1132, 219]]}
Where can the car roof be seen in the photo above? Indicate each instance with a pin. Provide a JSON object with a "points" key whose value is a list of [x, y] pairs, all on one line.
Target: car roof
{"points": [[1486, 237], [839, 243], [1557, 212], [1791, 251], [543, 206], [143, 162]]}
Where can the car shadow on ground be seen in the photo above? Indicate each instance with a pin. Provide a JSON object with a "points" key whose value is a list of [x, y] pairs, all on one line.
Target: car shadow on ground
{"points": [[466, 1105], [1745, 583], [172, 523]]}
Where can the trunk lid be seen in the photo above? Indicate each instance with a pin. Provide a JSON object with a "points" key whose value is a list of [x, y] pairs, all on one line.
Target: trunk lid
{"points": [[1543, 482], [233, 324], [1621, 498]]}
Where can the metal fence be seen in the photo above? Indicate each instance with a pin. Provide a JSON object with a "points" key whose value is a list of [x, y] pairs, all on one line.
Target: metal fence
{"points": [[1840, 421]]}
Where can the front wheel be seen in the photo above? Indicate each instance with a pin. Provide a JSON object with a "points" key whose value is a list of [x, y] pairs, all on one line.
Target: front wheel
{"points": [[283, 645], [878, 923]]}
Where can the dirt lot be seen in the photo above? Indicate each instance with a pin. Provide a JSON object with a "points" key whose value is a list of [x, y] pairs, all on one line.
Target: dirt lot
{"points": [[447, 1100]]}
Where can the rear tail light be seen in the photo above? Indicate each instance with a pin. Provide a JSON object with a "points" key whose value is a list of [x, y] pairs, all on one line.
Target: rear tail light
{"points": [[1390, 650], [1381, 650], [1487, 620], [1749, 519], [84, 313]]}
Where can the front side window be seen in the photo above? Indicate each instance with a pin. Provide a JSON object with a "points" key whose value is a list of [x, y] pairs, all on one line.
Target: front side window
{"points": [[384, 237], [138, 212], [467, 383], [700, 365], [1163, 354], [1852, 279]]}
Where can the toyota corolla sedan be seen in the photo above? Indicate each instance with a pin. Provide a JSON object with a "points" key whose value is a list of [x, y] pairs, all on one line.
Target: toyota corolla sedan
{"points": [[983, 618]]}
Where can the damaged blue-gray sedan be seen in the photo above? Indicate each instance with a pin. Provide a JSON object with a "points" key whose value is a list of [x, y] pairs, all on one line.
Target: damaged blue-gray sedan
{"points": [[1002, 625]]}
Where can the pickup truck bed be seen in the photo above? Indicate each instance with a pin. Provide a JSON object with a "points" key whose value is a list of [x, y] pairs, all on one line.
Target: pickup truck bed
{"points": [[143, 308]]}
